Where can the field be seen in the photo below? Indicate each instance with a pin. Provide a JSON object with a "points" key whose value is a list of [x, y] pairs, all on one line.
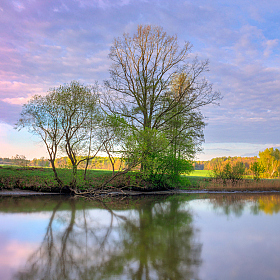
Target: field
{"points": [[33, 178], [200, 173], [42, 179]]}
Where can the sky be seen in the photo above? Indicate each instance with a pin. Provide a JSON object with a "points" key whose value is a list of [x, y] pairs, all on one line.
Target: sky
{"points": [[47, 43]]}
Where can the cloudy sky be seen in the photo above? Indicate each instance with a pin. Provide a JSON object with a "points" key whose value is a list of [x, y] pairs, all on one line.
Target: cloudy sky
{"points": [[45, 43]]}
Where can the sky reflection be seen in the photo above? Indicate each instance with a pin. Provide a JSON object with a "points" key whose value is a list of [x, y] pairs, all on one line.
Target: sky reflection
{"points": [[176, 237]]}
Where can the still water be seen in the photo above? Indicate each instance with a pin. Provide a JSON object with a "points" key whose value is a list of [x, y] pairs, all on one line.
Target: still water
{"points": [[197, 236]]}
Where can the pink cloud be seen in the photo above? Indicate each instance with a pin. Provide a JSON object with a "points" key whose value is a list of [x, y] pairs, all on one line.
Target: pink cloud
{"points": [[9, 91], [17, 100], [15, 253], [13, 256]]}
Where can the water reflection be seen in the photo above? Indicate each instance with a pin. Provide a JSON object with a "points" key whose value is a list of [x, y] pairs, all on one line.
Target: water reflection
{"points": [[155, 240], [236, 204], [240, 236], [217, 236]]}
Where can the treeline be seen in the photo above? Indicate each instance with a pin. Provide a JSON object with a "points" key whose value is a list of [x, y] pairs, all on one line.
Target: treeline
{"points": [[211, 164], [95, 163], [64, 162], [266, 165]]}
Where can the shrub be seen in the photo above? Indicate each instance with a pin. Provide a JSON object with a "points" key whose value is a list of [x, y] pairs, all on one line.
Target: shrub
{"points": [[257, 169], [229, 172]]}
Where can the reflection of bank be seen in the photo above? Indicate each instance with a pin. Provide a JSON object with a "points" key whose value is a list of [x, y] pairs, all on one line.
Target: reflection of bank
{"points": [[235, 204], [156, 240]]}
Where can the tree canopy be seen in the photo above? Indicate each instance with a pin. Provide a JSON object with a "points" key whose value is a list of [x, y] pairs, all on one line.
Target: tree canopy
{"points": [[159, 91], [150, 109], [270, 160], [64, 119]]}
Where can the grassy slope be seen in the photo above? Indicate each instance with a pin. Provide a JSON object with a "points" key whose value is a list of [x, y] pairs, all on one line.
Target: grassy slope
{"points": [[13, 176], [42, 179]]}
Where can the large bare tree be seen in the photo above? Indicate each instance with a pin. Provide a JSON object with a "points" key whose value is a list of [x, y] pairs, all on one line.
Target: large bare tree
{"points": [[154, 84]]}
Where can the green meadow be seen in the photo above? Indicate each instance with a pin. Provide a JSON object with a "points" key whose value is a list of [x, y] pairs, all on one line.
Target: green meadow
{"points": [[200, 173], [42, 179]]}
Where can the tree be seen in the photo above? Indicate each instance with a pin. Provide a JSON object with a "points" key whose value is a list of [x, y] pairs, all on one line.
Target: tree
{"points": [[257, 169], [233, 172], [41, 116], [153, 86], [270, 160], [20, 160], [78, 114], [183, 128], [65, 120]]}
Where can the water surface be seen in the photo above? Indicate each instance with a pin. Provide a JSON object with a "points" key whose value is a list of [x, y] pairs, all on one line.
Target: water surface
{"points": [[217, 236]]}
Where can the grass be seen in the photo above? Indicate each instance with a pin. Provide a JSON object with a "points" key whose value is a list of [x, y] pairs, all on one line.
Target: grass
{"points": [[200, 173], [202, 180], [240, 185], [194, 179], [42, 179]]}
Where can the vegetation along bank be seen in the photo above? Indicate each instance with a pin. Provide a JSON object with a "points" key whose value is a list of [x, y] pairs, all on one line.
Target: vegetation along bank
{"points": [[146, 118]]}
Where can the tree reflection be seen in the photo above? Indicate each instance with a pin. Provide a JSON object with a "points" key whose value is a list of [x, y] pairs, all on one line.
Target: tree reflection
{"points": [[235, 204], [155, 240]]}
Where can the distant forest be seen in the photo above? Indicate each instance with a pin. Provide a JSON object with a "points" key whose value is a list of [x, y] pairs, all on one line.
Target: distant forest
{"points": [[211, 164], [63, 162], [105, 163]]}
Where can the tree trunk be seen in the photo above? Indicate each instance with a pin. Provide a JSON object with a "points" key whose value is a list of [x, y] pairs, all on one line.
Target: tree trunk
{"points": [[55, 174], [73, 184]]}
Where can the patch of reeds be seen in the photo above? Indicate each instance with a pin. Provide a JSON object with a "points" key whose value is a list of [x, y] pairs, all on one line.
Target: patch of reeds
{"points": [[240, 185]]}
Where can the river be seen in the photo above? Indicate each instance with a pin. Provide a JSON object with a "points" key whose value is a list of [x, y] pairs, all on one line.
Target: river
{"points": [[186, 236]]}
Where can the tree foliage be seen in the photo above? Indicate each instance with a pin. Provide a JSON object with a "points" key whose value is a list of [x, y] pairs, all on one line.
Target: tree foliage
{"points": [[156, 89], [257, 170], [150, 115], [229, 172], [270, 160], [64, 119]]}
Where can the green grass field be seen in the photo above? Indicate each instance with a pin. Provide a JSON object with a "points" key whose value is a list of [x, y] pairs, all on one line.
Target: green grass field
{"points": [[42, 179], [200, 173], [194, 179]]}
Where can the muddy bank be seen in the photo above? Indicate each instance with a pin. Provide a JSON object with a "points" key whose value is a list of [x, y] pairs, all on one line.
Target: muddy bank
{"points": [[18, 192]]}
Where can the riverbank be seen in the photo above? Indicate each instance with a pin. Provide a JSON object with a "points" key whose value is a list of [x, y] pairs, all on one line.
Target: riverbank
{"points": [[18, 192], [21, 193], [41, 181]]}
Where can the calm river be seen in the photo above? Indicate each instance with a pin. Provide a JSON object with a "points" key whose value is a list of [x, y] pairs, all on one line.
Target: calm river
{"points": [[197, 236]]}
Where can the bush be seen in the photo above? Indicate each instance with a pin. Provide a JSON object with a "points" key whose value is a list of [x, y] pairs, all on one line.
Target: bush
{"points": [[229, 172], [257, 169]]}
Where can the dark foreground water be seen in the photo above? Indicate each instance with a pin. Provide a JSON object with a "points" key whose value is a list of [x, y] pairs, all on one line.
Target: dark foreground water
{"points": [[220, 236]]}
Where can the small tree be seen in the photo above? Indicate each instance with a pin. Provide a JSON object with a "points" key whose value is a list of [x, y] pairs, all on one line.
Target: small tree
{"points": [[78, 115], [65, 119], [229, 172], [41, 116], [20, 160], [159, 166], [257, 169]]}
